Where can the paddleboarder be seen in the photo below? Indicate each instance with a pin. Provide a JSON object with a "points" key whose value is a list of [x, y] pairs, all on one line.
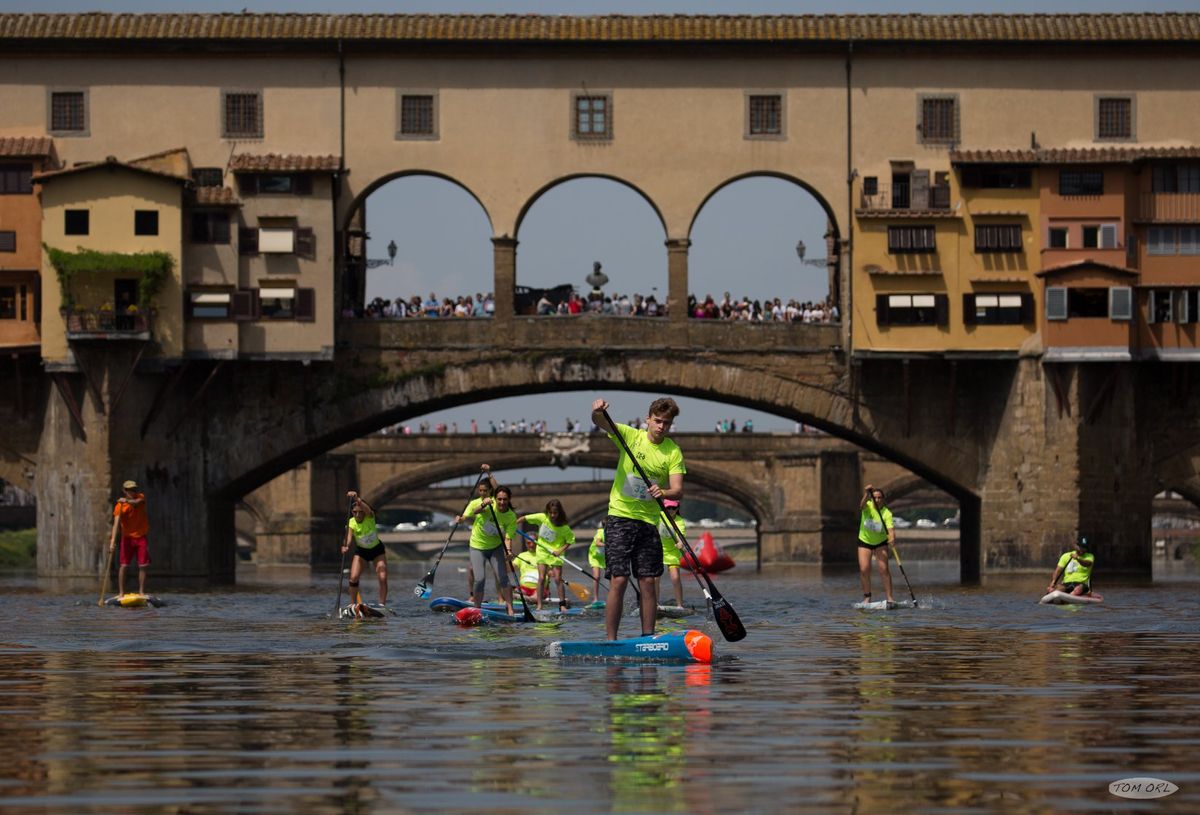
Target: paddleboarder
{"points": [[129, 517], [484, 489], [491, 540], [554, 538], [876, 532], [632, 545], [526, 565], [1075, 569], [363, 533], [672, 549]]}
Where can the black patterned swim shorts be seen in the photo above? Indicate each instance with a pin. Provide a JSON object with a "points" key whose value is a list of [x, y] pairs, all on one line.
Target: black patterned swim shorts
{"points": [[632, 547]]}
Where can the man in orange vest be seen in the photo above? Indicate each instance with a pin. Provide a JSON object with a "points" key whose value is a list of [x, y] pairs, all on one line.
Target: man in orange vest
{"points": [[129, 516]]}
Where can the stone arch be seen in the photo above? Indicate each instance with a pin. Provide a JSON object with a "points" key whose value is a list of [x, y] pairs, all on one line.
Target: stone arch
{"points": [[558, 182], [357, 202], [799, 182]]}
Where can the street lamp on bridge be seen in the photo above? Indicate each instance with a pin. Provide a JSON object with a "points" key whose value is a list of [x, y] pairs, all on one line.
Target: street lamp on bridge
{"points": [[801, 249], [391, 259]]}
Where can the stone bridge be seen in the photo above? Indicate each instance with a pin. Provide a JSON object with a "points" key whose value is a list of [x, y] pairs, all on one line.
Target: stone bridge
{"points": [[803, 490]]}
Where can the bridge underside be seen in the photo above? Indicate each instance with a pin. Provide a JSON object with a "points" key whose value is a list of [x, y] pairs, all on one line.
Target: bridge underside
{"points": [[1034, 453]]}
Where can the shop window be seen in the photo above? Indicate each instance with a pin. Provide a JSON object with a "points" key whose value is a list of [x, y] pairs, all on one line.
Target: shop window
{"points": [[911, 309]]}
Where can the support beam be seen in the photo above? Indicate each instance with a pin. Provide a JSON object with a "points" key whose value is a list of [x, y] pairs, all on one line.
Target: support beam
{"points": [[64, 388], [164, 390], [196, 397]]}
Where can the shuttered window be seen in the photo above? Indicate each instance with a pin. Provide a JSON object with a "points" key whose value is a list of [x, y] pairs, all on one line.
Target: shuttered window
{"points": [[1120, 303], [998, 238], [1056, 303], [911, 240], [16, 179]]}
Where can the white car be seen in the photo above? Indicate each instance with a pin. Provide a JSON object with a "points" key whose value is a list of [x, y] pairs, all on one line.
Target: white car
{"points": [[405, 526], [707, 523], [925, 523], [901, 523]]}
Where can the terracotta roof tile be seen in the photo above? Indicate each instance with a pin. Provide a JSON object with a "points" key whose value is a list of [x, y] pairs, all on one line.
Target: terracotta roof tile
{"points": [[216, 197], [1086, 263], [26, 146], [1073, 155], [879, 270], [109, 162], [907, 214], [1177, 27], [272, 162]]}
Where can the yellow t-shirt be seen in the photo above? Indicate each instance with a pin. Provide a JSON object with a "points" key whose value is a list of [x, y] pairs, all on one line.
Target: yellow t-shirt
{"points": [[629, 497], [484, 534]]}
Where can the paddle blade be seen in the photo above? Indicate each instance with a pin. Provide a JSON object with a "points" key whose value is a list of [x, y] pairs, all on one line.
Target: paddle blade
{"points": [[727, 620], [579, 591]]}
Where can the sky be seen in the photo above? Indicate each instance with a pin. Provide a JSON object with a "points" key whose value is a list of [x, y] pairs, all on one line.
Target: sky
{"points": [[749, 229]]}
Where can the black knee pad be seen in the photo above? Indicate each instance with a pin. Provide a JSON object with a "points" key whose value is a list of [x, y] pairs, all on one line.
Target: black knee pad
{"points": [[353, 584]]}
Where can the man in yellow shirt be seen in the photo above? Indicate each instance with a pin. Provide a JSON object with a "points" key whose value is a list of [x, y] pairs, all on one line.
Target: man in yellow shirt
{"points": [[1075, 570], [632, 545]]}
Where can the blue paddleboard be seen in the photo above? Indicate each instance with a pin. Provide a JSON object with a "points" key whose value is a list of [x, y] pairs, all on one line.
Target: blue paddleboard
{"points": [[676, 646]]}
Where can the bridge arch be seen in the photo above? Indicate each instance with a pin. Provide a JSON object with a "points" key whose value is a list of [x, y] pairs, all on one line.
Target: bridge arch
{"points": [[560, 181], [356, 204], [799, 182]]}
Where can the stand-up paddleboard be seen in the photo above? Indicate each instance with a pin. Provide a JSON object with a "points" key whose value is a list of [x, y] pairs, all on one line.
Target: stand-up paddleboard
{"points": [[596, 605], [134, 601], [548, 610], [1062, 598], [365, 611], [884, 605], [480, 616], [677, 646], [448, 604], [666, 612]]}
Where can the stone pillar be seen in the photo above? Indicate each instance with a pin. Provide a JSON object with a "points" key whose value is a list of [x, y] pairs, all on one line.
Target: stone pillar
{"points": [[677, 278], [504, 259], [841, 488], [1069, 458], [302, 513], [815, 507]]}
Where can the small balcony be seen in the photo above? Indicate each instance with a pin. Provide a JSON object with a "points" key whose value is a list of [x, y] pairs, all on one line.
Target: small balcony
{"points": [[900, 196], [105, 324], [1170, 207]]}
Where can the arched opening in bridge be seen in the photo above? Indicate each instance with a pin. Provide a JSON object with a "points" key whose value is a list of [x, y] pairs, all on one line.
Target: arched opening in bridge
{"points": [[591, 244], [1175, 527], [428, 249], [760, 243]]}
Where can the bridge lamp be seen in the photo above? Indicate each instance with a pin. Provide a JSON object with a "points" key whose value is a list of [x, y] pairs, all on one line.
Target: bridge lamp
{"points": [[391, 250], [800, 250]]}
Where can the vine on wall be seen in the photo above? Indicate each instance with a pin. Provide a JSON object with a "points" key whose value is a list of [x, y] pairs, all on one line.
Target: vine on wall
{"points": [[152, 269]]}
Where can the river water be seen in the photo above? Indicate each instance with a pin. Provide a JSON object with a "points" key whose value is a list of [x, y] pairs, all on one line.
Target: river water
{"points": [[251, 700]]}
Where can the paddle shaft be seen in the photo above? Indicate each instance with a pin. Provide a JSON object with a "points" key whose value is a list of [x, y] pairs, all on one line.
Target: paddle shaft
{"points": [[516, 587], [423, 586], [896, 554], [107, 571], [726, 618], [337, 606]]}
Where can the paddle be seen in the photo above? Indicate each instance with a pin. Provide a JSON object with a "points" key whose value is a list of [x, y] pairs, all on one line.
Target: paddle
{"points": [[579, 591], [896, 554], [337, 606], [588, 574], [422, 588], [107, 572], [516, 587], [726, 618]]}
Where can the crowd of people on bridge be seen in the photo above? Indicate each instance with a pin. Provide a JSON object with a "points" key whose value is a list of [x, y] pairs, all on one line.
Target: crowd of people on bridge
{"points": [[743, 309]]}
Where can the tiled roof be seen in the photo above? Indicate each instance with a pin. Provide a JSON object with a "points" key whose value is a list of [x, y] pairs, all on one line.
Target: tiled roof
{"points": [[272, 162], [26, 146], [1072, 155], [216, 197], [1000, 279], [110, 163], [1000, 213], [1170, 27], [1086, 263]]}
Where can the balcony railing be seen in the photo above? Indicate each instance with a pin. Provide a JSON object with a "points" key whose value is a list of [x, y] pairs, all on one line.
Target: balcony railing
{"points": [[1171, 207], [104, 324], [899, 196]]}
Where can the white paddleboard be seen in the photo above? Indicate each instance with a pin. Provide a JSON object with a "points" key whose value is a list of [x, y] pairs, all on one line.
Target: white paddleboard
{"points": [[884, 605], [1061, 598]]}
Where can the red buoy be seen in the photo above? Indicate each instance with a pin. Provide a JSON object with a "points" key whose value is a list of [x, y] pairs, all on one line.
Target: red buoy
{"points": [[468, 616], [712, 559]]}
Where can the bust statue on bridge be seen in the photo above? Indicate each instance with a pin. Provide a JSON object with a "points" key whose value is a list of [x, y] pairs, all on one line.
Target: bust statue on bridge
{"points": [[597, 278]]}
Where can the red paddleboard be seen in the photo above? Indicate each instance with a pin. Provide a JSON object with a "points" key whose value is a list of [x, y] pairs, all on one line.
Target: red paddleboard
{"points": [[712, 559]]}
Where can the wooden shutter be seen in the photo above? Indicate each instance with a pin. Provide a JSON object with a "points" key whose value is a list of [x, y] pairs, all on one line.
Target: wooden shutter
{"points": [[1056, 303], [247, 184], [941, 308], [919, 192], [245, 305], [248, 240], [968, 309], [306, 243], [881, 309], [302, 184], [1120, 303], [1026, 308], [306, 305]]}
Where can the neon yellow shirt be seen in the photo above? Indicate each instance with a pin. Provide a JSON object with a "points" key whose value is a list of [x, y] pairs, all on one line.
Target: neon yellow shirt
{"points": [[874, 524], [596, 550], [629, 497], [526, 565], [484, 534], [671, 555], [366, 535], [551, 538], [1077, 569]]}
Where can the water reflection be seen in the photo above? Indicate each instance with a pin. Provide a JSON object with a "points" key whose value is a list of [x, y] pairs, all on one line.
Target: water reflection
{"points": [[254, 701]]}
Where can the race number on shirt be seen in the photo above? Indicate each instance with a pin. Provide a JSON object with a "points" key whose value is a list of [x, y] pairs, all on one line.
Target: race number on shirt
{"points": [[636, 488]]}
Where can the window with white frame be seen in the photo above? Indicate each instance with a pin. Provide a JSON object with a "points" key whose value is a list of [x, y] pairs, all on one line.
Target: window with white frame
{"points": [[997, 309], [277, 303], [209, 305], [592, 117], [1160, 306], [911, 309]]}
